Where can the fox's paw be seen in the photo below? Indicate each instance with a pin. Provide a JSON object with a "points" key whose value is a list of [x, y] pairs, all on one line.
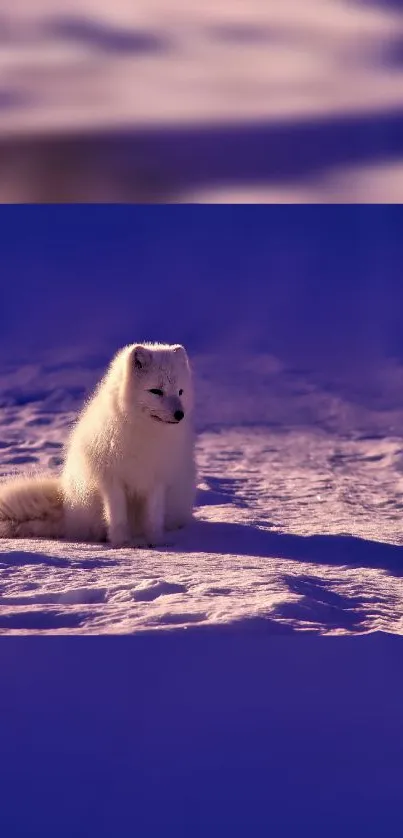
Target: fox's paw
{"points": [[161, 539]]}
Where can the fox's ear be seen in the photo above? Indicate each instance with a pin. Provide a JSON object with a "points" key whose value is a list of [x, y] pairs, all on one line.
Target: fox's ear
{"points": [[180, 351], [142, 358]]}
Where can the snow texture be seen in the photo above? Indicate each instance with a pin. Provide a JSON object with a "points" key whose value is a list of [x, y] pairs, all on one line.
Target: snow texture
{"points": [[216, 101], [291, 320], [169, 63]]}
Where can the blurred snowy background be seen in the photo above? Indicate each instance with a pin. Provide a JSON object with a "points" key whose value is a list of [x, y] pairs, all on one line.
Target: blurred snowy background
{"points": [[215, 101]]}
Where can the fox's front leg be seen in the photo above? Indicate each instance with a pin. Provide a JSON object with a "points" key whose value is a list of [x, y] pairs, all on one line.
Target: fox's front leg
{"points": [[115, 509], [154, 514]]}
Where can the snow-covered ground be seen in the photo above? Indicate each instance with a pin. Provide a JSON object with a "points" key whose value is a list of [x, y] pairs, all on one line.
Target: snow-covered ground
{"points": [[85, 63], [299, 514], [217, 101], [296, 529]]}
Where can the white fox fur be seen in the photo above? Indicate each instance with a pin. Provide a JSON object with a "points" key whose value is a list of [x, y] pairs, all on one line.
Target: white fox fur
{"points": [[129, 471]]}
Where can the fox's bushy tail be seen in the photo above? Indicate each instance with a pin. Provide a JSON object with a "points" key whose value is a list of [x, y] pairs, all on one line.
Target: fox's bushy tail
{"points": [[31, 507]]}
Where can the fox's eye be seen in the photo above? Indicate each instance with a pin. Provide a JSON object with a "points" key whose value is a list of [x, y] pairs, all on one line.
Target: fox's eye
{"points": [[180, 392], [156, 392]]}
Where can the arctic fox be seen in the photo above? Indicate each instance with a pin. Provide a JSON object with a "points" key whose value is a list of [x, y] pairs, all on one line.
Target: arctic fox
{"points": [[129, 469]]}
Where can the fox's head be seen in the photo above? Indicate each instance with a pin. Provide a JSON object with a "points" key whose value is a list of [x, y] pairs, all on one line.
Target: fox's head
{"points": [[160, 382]]}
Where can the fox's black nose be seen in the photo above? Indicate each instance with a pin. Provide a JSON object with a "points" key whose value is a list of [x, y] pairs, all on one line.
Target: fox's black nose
{"points": [[179, 414]]}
